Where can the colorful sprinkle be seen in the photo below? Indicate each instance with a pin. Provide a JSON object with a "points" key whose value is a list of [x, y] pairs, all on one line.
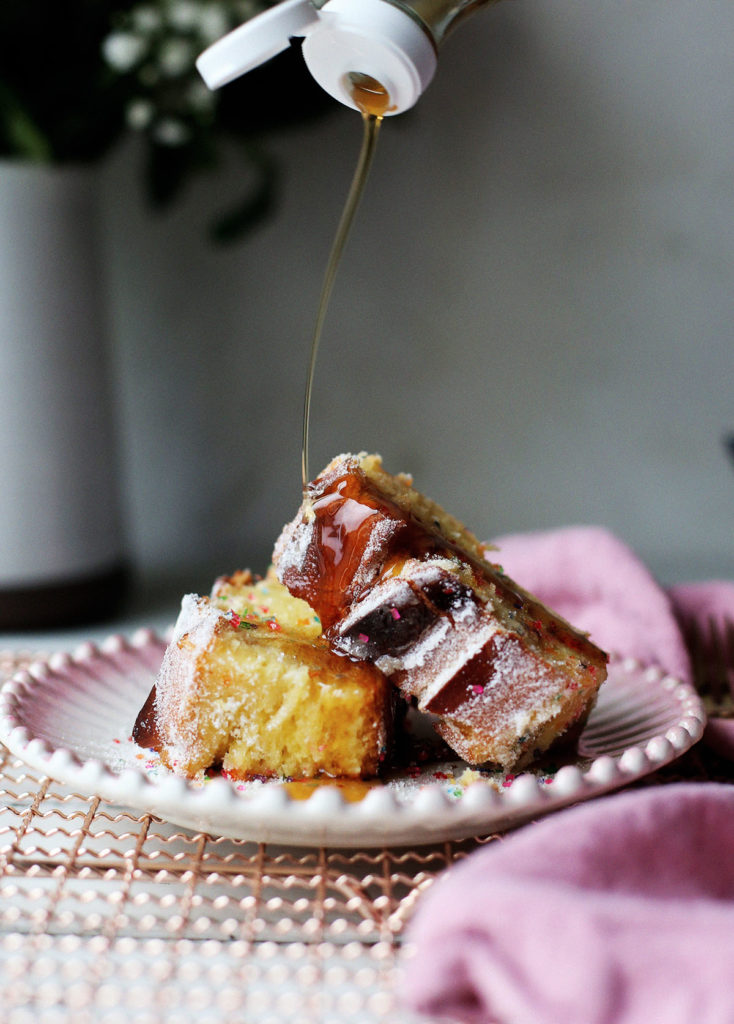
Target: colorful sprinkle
{"points": [[363, 638], [395, 613], [476, 688]]}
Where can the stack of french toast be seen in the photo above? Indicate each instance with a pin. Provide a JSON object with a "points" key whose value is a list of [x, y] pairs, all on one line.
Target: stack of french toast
{"points": [[376, 598]]}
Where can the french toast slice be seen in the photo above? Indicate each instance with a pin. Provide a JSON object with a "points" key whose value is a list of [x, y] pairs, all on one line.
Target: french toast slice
{"points": [[399, 582], [248, 684]]}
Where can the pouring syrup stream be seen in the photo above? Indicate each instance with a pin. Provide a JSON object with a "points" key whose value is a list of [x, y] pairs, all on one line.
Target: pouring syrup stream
{"points": [[373, 101]]}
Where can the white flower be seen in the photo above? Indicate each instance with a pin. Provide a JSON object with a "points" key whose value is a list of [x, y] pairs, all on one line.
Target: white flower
{"points": [[247, 9], [170, 132], [175, 57], [148, 76], [146, 19], [200, 97], [213, 23], [123, 50], [139, 114], [184, 15]]}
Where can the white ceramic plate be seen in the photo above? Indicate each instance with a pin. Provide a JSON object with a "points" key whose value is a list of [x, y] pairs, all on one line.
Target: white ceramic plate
{"points": [[70, 718]]}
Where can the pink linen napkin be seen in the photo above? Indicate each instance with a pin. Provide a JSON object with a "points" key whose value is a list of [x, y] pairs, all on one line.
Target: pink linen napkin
{"points": [[619, 911], [705, 605], [704, 602]]}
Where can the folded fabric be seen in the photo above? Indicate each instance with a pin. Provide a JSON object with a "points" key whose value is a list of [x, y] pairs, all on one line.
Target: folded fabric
{"points": [[619, 911], [709, 609], [704, 603]]}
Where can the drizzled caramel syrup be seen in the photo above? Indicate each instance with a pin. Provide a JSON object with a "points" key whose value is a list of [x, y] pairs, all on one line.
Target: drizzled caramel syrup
{"points": [[145, 731], [349, 512], [373, 101], [359, 537]]}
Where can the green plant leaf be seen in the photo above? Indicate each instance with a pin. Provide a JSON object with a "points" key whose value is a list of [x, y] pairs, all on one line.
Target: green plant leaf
{"points": [[19, 133]]}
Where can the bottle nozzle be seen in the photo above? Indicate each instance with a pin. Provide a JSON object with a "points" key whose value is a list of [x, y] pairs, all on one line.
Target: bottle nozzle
{"points": [[372, 39]]}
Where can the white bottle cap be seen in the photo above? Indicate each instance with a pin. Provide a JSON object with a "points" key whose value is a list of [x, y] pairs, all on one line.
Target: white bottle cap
{"points": [[259, 39], [375, 38], [367, 37]]}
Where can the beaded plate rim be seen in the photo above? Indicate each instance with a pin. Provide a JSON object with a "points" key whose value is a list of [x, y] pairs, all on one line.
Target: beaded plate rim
{"points": [[643, 720]]}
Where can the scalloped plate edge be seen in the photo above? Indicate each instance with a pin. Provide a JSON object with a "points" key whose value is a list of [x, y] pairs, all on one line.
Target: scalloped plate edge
{"points": [[326, 818]]}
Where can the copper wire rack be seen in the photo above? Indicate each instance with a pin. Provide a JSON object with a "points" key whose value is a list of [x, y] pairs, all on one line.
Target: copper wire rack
{"points": [[107, 916]]}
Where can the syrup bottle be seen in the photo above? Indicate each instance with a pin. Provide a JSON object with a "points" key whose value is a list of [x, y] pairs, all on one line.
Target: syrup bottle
{"points": [[394, 42]]}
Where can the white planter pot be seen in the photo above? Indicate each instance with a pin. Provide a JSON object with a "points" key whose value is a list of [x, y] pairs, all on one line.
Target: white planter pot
{"points": [[59, 493]]}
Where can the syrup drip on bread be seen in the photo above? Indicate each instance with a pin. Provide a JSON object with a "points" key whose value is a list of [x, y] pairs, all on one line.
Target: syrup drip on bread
{"points": [[145, 730]]}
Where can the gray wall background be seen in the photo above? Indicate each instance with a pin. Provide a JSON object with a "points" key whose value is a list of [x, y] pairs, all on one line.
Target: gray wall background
{"points": [[534, 316]]}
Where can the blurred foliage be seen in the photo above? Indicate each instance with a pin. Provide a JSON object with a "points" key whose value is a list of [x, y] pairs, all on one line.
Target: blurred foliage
{"points": [[78, 76]]}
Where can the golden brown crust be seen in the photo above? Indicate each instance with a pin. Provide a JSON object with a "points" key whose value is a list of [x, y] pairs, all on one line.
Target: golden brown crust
{"points": [[262, 699]]}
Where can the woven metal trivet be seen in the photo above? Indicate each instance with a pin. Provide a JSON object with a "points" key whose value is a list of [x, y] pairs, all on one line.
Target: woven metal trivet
{"points": [[108, 916]]}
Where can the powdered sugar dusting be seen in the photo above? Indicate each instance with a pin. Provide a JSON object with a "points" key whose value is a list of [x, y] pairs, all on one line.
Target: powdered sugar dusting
{"points": [[195, 629], [293, 545]]}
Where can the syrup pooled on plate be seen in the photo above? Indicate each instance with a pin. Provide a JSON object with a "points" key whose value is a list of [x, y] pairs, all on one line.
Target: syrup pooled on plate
{"points": [[353, 790], [373, 101]]}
